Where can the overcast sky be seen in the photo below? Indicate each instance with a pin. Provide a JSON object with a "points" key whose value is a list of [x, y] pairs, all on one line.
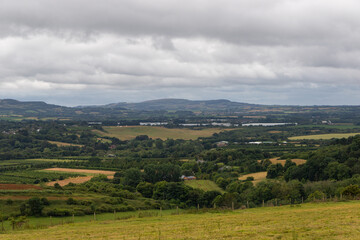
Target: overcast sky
{"points": [[73, 52]]}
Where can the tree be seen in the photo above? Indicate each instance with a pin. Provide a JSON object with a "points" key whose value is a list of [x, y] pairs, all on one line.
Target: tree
{"points": [[274, 171], [351, 191], [146, 189], [35, 206], [132, 177]]}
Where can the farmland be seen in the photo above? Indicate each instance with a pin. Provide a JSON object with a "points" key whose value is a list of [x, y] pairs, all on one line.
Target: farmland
{"points": [[33, 176], [335, 220], [324, 136], [64, 144], [127, 133], [205, 185], [259, 176], [282, 161], [79, 179]]}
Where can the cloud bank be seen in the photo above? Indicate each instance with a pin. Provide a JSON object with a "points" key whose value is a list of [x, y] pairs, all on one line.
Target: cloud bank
{"points": [[258, 51]]}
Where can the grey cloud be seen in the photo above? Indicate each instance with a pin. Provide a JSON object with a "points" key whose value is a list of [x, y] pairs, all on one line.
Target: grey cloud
{"points": [[249, 50]]}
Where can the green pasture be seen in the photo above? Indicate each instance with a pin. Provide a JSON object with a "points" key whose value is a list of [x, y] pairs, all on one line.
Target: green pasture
{"points": [[332, 220], [324, 136], [206, 185]]}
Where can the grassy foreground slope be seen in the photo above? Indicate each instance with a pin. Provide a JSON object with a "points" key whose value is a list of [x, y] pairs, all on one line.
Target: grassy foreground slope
{"points": [[128, 133], [308, 221]]}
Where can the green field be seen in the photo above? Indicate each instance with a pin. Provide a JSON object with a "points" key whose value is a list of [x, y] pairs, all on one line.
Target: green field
{"points": [[30, 161], [335, 220], [127, 133], [324, 136], [205, 185]]}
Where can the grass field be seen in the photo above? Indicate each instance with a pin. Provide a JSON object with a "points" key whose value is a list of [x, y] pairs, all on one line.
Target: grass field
{"points": [[80, 179], [307, 221], [206, 185], [324, 136], [127, 133], [259, 176], [30, 161], [64, 144], [297, 161]]}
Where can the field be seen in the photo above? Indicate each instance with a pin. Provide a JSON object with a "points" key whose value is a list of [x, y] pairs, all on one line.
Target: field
{"points": [[324, 136], [259, 176], [297, 161], [127, 133], [205, 185], [32, 176], [18, 187], [64, 144], [84, 171], [79, 179], [335, 220]]}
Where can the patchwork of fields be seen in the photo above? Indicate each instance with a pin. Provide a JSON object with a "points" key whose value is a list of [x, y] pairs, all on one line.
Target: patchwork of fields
{"points": [[324, 136], [332, 220], [127, 133]]}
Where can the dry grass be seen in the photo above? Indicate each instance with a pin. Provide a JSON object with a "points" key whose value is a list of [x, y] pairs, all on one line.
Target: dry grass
{"points": [[76, 180], [258, 177], [331, 221], [127, 133], [63, 144], [297, 161]]}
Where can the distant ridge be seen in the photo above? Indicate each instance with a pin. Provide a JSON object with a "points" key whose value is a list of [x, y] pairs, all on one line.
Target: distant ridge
{"points": [[173, 104]]}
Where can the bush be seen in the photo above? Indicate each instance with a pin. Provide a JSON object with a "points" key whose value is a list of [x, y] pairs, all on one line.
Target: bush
{"points": [[71, 201], [317, 195]]}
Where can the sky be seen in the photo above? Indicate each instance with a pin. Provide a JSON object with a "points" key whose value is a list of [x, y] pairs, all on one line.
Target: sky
{"points": [[85, 52]]}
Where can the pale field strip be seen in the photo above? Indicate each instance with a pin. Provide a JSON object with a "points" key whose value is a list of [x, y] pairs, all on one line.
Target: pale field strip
{"points": [[76, 180]]}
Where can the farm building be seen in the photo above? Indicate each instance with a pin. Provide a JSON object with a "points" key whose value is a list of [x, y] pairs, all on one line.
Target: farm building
{"points": [[183, 177]]}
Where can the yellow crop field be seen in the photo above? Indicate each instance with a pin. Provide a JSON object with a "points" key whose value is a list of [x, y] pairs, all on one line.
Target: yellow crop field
{"points": [[259, 176], [333, 220], [324, 136], [127, 133]]}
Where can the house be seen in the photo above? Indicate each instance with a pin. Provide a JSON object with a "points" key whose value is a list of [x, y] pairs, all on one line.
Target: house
{"points": [[183, 177], [222, 143]]}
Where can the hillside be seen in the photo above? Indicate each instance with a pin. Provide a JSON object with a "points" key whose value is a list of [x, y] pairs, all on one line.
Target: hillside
{"points": [[182, 105], [335, 220], [170, 109]]}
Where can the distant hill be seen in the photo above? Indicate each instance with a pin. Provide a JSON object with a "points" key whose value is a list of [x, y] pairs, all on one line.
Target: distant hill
{"points": [[164, 109], [32, 108], [181, 105]]}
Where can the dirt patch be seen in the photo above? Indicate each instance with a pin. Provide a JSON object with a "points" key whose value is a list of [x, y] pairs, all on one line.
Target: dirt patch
{"points": [[18, 187], [81, 171]]}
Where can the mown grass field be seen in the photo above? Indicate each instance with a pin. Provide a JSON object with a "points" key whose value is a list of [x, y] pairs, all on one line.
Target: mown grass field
{"points": [[307, 221], [324, 136], [258, 177], [127, 133], [206, 185]]}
